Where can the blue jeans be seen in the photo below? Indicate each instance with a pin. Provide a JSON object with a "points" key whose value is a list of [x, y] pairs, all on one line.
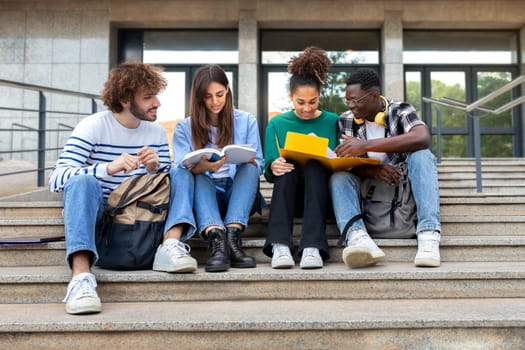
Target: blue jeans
{"points": [[84, 205], [219, 202], [422, 172]]}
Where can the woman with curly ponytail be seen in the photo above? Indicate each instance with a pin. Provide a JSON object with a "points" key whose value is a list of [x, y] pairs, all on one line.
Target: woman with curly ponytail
{"points": [[300, 191]]}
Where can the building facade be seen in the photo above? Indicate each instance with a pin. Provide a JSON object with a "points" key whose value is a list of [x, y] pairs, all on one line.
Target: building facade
{"points": [[458, 49]]}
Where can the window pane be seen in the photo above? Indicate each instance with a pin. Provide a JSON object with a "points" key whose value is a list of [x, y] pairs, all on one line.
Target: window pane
{"points": [[333, 93], [451, 145], [172, 99], [496, 146], [487, 83], [413, 90], [450, 85], [193, 47], [343, 47], [466, 47], [278, 99]]}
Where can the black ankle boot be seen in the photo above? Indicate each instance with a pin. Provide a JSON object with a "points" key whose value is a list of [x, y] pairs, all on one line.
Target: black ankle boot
{"points": [[219, 259], [238, 257]]}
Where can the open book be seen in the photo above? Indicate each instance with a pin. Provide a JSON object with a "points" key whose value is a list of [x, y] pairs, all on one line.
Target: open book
{"points": [[302, 147], [236, 154]]}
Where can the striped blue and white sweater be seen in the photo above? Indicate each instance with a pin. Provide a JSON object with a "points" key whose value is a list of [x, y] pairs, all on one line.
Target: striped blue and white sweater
{"points": [[99, 139]]}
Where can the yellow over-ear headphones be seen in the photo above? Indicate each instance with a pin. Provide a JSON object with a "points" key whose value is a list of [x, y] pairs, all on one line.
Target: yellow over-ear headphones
{"points": [[380, 118]]}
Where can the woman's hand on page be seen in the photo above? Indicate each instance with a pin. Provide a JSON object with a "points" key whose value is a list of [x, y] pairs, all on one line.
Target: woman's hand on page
{"points": [[205, 165], [280, 167]]}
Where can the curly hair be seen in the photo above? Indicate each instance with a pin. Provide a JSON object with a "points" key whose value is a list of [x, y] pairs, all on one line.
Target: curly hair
{"points": [[309, 68], [367, 78], [128, 78]]}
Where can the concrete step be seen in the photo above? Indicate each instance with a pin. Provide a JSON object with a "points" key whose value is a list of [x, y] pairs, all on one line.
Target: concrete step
{"points": [[476, 203], [453, 249], [47, 284], [471, 323], [492, 175], [486, 183], [452, 225]]}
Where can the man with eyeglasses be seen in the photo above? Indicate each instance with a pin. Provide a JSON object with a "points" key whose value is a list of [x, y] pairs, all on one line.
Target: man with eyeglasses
{"points": [[392, 132]]}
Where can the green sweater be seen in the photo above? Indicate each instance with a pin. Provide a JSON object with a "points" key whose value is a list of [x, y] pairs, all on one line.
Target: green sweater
{"points": [[325, 126]]}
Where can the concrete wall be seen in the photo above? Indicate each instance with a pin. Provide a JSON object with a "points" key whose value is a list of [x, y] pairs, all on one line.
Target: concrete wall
{"points": [[71, 44], [60, 48]]}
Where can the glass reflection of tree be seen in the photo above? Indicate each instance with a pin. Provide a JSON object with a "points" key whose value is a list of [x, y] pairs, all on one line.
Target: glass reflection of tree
{"points": [[332, 95], [495, 145], [492, 145]]}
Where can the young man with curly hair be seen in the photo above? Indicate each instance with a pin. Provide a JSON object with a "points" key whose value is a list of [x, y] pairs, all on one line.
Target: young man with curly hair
{"points": [[105, 149]]}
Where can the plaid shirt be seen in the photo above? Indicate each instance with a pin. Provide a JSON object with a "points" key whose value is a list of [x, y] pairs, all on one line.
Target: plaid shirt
{"points": [[401, 117]]}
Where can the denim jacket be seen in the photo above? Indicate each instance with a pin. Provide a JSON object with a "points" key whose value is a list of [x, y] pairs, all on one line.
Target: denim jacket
{"points": [[245, 132]]}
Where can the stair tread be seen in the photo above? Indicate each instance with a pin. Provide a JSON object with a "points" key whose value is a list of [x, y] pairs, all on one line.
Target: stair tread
{"points": [[254, 242], [269, 315], [332, 271]]}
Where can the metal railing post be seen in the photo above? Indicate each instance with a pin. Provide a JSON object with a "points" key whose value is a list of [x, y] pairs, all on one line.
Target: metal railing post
{"points": [[94, 106], [438, 133], [477, 150], [41, 139]]}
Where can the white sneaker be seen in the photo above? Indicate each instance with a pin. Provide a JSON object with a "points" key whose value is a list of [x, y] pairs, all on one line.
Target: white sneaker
{"points": [[428, 249], [81, 296], [282, 258], [361, 250], [174, 256], [311, 259]]}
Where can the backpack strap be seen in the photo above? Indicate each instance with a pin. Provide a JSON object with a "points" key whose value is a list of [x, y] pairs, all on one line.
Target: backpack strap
{"points": [[368, 199], [156, 209], [345, 229], [394, 205], [129, 197]]}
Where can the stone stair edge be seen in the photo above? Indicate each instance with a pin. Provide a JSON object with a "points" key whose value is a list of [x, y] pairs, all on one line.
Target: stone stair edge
{"points": [[481, 198], [333, 271], [269, 315], [258, 242]]}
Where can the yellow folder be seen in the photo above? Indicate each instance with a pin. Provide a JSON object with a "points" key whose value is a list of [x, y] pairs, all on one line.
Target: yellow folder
{"points": [[301, 148]]}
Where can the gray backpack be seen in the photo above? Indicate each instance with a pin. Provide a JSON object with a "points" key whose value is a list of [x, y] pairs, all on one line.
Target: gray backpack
{"points": [[389, 211]]}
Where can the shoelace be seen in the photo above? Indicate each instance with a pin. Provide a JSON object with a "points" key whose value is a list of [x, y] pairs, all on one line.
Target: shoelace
{"points": [[357, 239], [178, 249], [428, 245], [281, 251], [309, 253], [83, 287]]}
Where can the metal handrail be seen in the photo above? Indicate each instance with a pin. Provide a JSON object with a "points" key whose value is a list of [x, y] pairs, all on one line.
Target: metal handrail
{"points": [[38, 88], [41, 128], [470, 110]]}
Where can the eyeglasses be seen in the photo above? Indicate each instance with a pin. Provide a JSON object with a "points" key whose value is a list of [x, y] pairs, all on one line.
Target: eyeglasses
{"points": [[354, 102]]}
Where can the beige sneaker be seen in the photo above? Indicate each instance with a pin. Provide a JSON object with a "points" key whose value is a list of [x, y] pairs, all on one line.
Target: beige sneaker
{"points": [[361, 250], [81, 296], [174, 256], [428, 249]]}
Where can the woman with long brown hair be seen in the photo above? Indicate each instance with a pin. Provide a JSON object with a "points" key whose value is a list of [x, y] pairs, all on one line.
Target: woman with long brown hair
{"points": [[225, 194]]}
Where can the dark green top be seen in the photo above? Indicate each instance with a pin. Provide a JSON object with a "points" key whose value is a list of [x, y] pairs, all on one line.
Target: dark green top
{"points": [[324, 126]]}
